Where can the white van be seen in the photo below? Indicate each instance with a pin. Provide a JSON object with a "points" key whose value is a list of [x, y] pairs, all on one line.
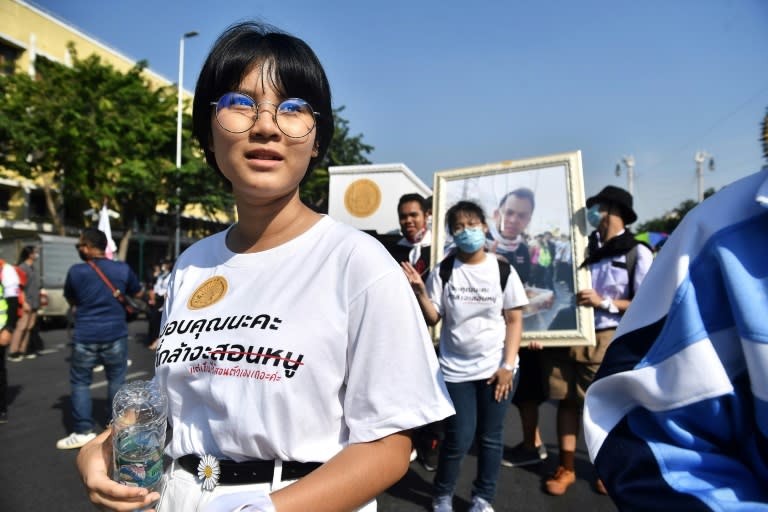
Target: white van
{"points": [[57, 254]]}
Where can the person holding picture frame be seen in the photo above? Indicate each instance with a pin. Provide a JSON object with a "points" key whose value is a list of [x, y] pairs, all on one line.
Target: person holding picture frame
{"points": [[479, 299], [510, 221], [618, 264]]}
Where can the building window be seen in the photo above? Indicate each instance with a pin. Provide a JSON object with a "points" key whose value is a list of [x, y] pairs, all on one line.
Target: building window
{"points": [[37, 207], [5, 198], [41, 64], [8, 57]]}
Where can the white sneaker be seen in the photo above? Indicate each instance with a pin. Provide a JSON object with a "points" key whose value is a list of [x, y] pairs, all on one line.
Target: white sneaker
{"points": [[480, 505], [74, 440], [442, 503]]}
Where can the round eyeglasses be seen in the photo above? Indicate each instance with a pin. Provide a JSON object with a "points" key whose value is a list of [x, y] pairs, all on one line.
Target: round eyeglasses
{"points": [[237, 113]]}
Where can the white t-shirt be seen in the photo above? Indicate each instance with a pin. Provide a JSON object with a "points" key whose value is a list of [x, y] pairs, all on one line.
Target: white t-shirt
{"points": [[294, 352], [473, 326], [161, 284], [10, 279]]}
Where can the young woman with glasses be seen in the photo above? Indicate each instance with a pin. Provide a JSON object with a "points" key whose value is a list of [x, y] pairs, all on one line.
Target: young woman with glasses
{"points": [[285, 371], [482, 323]]}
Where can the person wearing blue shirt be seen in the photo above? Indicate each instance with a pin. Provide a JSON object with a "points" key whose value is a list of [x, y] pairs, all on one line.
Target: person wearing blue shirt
{"points": [[101, 331]]}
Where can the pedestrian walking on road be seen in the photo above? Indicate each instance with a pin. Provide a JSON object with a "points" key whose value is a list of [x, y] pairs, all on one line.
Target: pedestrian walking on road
{"points": [[28, 319], [100, 332], [157, 293], [5, 339], [11, 290]]}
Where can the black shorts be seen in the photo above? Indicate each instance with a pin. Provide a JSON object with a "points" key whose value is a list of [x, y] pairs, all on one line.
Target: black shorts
{"points": [[13, 313], [530, 388]]}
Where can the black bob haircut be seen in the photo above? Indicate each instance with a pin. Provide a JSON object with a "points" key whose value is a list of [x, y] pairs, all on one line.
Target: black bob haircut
{"points": [[290, 63], [468, 208]]}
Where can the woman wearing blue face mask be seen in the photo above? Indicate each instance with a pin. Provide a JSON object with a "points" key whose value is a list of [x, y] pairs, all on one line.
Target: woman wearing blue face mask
{"points": [[479, 341]]}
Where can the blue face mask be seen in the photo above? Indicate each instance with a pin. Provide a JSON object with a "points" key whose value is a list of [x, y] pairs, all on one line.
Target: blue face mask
{"points": [[470, 240], [593, 215]]}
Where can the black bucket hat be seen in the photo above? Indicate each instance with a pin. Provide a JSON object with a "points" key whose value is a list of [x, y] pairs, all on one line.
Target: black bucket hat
{"points": [[620, 198]]}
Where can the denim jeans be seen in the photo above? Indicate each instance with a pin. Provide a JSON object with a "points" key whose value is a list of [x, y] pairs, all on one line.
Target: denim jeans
{"points": [[477, 413], [85, 356]]}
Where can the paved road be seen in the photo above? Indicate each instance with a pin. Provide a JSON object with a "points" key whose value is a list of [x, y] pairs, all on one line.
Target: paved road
{"points": [[34, 475]]}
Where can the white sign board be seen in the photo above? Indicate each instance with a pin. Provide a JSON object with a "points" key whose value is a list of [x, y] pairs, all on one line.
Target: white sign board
{"points": [[366, 196]]}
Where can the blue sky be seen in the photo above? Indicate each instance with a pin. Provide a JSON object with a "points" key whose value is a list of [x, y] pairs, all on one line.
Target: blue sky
{"points": [[444, 84]]}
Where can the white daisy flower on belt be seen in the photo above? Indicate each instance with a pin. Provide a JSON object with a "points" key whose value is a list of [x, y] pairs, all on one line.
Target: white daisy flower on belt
{"points": [[208, 471]]}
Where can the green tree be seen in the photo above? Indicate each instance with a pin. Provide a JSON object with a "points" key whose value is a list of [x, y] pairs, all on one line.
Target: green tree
{"points": [[95, 133], [344, 149], [669, 221]]}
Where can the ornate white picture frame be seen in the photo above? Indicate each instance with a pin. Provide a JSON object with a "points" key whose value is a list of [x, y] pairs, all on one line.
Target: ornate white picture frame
{"points": [[554, 238]]}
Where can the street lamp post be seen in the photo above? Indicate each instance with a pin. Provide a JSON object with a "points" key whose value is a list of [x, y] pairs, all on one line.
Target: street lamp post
{"points": [[629, 162], [180, 90], [699, 158]]}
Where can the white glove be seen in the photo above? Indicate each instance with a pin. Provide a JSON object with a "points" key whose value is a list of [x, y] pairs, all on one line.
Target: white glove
{"points": [[241, 502]]}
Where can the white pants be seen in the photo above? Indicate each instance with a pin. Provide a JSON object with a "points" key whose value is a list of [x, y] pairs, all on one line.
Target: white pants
{"points": [[182, 492]]}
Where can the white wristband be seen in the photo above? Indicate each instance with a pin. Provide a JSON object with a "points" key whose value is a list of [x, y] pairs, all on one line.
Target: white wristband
{"points": [[508, 367], [607, 305]]}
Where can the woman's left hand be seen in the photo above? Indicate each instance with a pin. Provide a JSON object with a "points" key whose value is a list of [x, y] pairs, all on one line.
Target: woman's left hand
{"points": [[503, 380]]}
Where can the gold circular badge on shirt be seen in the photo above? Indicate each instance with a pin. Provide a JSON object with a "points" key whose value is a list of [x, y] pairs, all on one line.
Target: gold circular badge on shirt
{"points": [[210, 292], [362, 198]]}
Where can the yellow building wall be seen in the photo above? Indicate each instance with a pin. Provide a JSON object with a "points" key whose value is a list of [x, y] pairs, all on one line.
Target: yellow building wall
{"points": [[37, 32]]}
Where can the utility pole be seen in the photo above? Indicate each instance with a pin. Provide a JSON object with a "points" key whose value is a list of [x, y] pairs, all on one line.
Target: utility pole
{"points": [[179, 93], [629, 163], [700, 157]]}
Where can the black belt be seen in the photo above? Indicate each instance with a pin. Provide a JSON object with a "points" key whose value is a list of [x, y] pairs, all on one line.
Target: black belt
{"points": [[252, 471]]}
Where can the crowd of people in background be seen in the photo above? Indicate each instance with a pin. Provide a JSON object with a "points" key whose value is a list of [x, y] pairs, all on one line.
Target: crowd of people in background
{"points": [[22, 296]]}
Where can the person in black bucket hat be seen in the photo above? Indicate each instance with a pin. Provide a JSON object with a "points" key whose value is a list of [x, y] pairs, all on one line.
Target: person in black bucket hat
{"points": [[617, 263], [615, 196]]}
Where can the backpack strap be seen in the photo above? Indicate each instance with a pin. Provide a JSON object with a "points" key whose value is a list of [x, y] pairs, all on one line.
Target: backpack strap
{"points": [[504, 271], [446, 269]]}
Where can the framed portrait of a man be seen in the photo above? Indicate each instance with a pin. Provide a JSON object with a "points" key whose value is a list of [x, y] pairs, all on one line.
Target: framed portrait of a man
{"points": [[534, 211]]}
